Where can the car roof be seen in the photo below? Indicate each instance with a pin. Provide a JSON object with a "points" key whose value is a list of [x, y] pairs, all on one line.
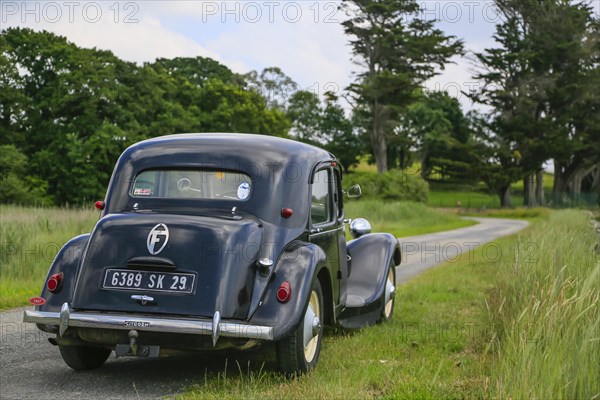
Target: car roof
{"points": [[244, 146]]}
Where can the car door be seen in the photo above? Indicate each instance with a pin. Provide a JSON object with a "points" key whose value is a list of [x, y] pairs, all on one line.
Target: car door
{"points": [[324, 228]]}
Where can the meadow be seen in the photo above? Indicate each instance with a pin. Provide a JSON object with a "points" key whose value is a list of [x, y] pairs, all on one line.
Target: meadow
{"points": [[470, 196], [29, 240], [521, 322]]}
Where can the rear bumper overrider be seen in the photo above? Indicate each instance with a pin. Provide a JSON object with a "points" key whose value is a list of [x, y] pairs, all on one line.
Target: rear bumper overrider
{"points": [[67, 318]]}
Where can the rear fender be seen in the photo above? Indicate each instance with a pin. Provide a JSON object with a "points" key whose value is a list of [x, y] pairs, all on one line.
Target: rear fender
{"points": [[66, 261], [299, 264], [371, 256]]}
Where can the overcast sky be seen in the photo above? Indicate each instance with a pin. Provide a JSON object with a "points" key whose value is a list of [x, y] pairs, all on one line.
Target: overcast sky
{"points": [[303, 38]]}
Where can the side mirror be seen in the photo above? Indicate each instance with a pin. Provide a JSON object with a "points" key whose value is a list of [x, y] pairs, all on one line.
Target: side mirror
{"points": [[359, 227], [354, 191]]}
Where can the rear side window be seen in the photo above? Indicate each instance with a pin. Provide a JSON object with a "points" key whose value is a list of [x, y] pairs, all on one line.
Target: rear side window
{"points": [[194, 184], [320, 207]]}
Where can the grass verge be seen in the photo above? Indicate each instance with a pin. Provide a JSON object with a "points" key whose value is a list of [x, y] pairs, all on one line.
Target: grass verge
{"points": [[545, 313], [516, 318]]}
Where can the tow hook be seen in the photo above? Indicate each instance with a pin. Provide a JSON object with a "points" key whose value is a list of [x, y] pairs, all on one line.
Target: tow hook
{"points": [[135, 349]]}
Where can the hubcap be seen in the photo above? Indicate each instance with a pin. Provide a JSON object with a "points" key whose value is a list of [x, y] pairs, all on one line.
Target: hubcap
{"points": [[312, 326], [390, 292]]}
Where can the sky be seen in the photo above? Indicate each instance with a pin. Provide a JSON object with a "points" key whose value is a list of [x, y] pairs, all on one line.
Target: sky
{"points": [[304, 38]]}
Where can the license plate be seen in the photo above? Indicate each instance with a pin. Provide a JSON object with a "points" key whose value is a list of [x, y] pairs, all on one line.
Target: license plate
{"points": [[149, 281]]}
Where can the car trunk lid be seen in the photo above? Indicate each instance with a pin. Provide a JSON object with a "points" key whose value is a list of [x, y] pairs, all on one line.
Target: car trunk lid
{"points": [[173, 264]]}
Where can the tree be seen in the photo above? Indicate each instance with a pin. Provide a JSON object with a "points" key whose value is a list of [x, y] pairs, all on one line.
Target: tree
{"points": [[397, 52], [198, 70], [15, 186], [304, 111], [497, 160], [572, 49], [437, 129], [71, 111], [338, 133], [67, 90], [324, 125], [226, 108], [273, 85], [537, 81]]}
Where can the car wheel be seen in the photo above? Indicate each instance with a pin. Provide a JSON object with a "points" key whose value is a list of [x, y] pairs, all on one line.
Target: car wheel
{"points": [[389, 295], [298, 352], [83, 357]]}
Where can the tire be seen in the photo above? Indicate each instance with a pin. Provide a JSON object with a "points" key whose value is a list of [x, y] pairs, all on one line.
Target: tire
{"points": [[292, 356], [389, 296], [82, 358]]}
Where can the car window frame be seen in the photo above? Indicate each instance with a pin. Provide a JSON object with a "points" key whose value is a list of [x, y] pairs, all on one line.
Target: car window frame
{"points": [[332, 217], [161, 171], [338, 193]]}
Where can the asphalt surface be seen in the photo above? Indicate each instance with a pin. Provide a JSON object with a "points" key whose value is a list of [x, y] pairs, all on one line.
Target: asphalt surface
{"points": [[420, 253], [31, 368]]}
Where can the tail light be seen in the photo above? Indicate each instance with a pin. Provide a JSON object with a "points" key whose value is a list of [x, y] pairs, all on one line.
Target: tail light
{"points": [[287, 212], [284, 293], [55, 282]]}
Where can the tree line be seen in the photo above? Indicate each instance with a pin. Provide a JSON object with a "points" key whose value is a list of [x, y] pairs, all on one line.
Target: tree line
{"points": [[66, 113], [541, 83]]}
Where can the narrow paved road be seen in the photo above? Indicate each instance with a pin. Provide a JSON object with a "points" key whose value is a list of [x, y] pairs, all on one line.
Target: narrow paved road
{"points": [[420, 253], [31, 368]]}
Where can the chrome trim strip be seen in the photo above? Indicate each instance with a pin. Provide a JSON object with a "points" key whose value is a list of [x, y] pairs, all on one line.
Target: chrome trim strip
{"points": [[68, 318], [323, 232]]}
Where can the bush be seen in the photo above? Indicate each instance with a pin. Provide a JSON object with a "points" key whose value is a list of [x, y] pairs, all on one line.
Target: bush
{"points": [[391, 185]]}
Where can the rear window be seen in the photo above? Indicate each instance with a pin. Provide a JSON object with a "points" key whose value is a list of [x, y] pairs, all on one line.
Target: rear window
{"points": [[195, 184]]}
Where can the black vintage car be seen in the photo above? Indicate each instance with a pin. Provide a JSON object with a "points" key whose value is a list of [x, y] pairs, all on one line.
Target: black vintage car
{"points": [[209, 241]]}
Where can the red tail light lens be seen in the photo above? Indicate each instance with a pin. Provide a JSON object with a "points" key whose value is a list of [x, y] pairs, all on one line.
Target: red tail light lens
{"points": [[287, 212], [55, 282], [284, 293], [99, 205]]}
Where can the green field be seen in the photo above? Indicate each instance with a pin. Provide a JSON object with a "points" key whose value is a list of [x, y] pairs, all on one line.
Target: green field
{"points": [[31, 237], [404, 218], [476, 196], [29, 240], [514, 319], [465, 195], [519, 322]]}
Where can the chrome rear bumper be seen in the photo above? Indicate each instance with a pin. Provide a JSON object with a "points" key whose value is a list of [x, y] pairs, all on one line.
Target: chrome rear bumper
{"points": [[215, 327]]}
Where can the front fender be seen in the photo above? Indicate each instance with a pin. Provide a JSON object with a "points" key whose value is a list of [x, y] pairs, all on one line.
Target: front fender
{"points": [[299, 263], [66, 261], [371, 256]]}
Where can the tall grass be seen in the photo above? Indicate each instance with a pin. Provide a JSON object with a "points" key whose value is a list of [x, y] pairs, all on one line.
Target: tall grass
{"points": [[29, 241], [546, 313]]}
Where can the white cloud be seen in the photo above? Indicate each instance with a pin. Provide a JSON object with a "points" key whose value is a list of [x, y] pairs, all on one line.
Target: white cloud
{"points": [[297, 49], [305, 39], [144, 38]]}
